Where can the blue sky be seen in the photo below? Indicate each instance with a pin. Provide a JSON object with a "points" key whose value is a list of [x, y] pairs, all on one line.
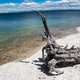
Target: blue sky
{"points": [[20, 1], [28, 5]]}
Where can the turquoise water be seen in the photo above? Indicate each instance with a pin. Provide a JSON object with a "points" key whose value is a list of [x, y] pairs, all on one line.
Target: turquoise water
{"points": [[14, 24]]}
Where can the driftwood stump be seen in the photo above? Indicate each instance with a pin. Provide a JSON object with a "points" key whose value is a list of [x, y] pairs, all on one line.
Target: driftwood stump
{"points": [[57, 55]]}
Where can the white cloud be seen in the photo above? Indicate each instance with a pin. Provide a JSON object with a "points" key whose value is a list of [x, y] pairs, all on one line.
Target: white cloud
{"points": [[28, 0], [47, 5], [8, 5], [27, 4]]}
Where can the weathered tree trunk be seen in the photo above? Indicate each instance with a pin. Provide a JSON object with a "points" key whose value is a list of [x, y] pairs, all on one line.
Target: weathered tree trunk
{"points": [[56, 53], [47, 36]]}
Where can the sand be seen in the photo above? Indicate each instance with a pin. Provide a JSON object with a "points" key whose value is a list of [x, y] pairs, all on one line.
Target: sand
{"points": [[32, 68]]}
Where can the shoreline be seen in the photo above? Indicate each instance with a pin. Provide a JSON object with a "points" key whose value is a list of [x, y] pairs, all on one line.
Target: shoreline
{"points": [[33, 67], [26, 49]]}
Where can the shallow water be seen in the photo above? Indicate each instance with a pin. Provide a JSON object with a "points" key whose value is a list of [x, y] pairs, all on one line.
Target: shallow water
{"points": [[21, 32], [28, 23]]}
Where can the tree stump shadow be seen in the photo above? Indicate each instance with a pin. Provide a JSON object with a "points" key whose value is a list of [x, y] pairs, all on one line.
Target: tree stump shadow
{"points": [[42, 67]]}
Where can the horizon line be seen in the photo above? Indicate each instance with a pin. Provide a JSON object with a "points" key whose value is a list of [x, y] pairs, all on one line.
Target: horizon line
{"points": [[15, 12]]}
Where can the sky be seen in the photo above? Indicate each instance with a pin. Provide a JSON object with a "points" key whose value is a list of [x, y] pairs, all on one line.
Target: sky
{"points": [[7, 6]]}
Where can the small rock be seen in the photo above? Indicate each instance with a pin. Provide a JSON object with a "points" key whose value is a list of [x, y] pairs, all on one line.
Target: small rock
{"points": [[42, 78]]}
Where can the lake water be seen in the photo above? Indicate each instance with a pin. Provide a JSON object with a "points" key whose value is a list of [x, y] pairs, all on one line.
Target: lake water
{"points": [[16, 25]]}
